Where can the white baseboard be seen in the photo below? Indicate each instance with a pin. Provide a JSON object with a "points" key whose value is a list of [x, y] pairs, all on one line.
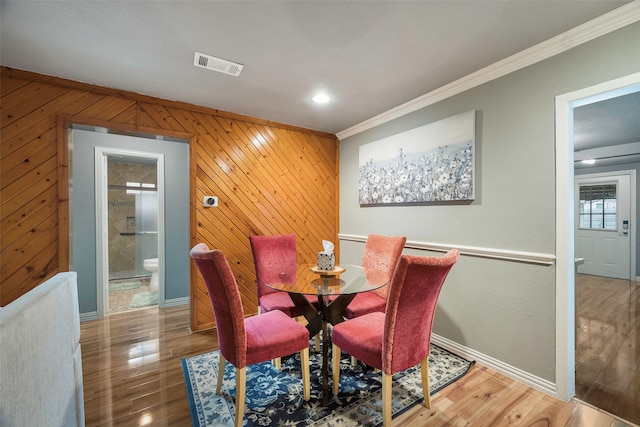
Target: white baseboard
{"points": [[514, 373], [176, 301], [92, 315]]}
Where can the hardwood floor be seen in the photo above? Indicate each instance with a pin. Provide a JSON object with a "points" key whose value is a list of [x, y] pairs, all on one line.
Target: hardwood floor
{"points": [[608, 345], [131, 367], [133, 377]]}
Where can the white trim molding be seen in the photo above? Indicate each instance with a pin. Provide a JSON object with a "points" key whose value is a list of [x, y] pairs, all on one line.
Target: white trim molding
{"points": [[565, 222], [91, 315], [609, 22], [176, 301], [512, 372], [499, 254], [102, 238]]}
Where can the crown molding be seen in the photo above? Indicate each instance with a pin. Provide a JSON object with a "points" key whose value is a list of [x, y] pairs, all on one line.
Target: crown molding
{"points": [[609, 22]]}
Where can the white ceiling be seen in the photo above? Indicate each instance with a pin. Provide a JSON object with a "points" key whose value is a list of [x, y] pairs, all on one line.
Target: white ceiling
{"points": [[608, 130], [370, 56]]}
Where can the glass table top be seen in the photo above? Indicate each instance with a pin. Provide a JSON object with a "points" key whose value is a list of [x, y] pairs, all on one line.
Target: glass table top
{"points": [[309, 281]]}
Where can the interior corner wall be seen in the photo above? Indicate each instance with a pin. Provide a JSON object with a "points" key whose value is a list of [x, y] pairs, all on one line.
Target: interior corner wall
{"points": [[502, 309]]}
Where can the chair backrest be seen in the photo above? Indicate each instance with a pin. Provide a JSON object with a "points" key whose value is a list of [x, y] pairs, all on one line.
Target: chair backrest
{"points": [[411, 307], [381, 254], [226, 302], [273, 255]]}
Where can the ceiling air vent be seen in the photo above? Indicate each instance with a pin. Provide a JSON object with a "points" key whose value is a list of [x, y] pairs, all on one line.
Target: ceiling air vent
{"points": [[217, 64]]}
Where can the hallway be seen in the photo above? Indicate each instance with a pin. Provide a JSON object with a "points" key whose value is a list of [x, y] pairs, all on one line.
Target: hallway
{"points": [[608, 345]]}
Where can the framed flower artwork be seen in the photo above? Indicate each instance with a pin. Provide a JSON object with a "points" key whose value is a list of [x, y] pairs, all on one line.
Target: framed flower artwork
{"points": [[431, 163]]}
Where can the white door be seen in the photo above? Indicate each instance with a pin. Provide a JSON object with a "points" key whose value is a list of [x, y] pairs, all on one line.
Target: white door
{"points": [[603, 224]]}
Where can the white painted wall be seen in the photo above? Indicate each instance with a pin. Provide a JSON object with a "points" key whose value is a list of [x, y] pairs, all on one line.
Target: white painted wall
{"points": [[503, 310]]}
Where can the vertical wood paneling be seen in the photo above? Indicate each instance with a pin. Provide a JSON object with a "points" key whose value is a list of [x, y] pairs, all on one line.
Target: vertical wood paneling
{"points": [[270, 179]]}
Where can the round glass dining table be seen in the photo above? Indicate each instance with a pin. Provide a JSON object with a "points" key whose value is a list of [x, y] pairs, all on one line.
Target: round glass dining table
{"points": [[334, 290]]}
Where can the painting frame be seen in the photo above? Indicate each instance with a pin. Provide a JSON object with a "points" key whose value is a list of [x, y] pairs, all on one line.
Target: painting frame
{"points": [[430, 164]]}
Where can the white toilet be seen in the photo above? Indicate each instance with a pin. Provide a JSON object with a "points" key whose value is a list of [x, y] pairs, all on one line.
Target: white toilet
{"points": [[151, 265]]}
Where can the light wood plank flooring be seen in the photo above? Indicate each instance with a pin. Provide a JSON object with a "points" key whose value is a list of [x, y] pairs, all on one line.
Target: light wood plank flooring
{"points": [[133, 377], [608, 345]]}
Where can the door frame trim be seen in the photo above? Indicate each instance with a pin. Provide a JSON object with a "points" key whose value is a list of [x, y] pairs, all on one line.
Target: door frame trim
{"points": [[64, 131], [565, 235], [101, 203]]}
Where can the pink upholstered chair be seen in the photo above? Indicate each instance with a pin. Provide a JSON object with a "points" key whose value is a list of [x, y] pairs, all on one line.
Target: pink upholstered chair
{"points": [[381, 254], [273, 255], [399, 338], [248, 341]]}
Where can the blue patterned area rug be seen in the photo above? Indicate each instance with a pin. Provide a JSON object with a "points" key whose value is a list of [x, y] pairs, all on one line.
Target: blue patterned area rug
{"points": [[274, 398]]}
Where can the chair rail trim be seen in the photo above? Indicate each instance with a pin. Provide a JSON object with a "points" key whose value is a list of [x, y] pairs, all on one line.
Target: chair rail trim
{"points": [[499, 254]]}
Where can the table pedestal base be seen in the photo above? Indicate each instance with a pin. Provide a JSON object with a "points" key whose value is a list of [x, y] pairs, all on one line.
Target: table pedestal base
{"points": [[330, 313]]}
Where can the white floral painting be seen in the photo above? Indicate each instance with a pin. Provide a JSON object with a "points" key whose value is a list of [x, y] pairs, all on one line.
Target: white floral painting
{"points": [[431, 163]]}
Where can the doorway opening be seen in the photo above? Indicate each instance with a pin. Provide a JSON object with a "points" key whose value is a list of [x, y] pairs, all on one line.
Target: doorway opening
{"points": [[129, 229], [566, 218], [607, 372], [90, 150], [132, 217]]}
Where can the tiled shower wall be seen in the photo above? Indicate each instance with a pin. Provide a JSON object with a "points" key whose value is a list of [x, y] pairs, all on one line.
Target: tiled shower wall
{"points": [[122, 210]]}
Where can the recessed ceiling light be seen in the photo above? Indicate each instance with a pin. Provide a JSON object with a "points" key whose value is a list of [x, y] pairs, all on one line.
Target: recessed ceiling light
{"points": [[588, 161], [321, 98]]}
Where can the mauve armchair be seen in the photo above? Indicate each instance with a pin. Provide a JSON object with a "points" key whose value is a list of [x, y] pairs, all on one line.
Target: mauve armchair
{"points": [[399, 338], [381, 254], [247, 341]]}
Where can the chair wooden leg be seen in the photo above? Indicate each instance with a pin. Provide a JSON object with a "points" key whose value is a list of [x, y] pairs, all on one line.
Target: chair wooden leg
{"points": [[318, 342], [274, 362], [220, 374], [304, 365], [424, 369], [354, 362], [241, 383], [386, 399], [335, 368]]}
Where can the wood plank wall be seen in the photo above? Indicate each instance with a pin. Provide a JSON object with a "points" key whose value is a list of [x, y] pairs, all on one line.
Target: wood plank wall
{"points": [[270, 178]]}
